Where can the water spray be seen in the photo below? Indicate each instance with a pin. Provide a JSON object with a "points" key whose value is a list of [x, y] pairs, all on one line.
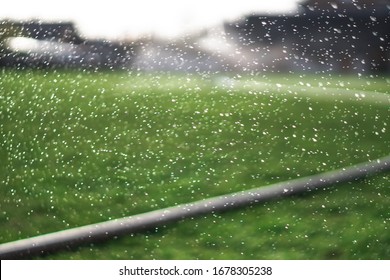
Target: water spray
{"points": [[98, 232]]}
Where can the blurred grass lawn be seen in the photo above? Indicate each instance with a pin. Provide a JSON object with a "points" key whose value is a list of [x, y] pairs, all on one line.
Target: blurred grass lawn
{"points": [[79, 148]]}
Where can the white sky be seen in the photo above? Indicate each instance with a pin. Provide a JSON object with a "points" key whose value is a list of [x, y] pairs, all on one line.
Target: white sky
{"points": [[120, 18]]}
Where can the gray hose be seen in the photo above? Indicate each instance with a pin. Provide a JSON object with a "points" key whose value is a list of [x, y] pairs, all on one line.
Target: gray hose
{"points": [[105, 230]]}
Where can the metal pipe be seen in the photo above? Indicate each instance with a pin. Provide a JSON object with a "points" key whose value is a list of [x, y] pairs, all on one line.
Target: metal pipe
{"points": [[93, 233]]}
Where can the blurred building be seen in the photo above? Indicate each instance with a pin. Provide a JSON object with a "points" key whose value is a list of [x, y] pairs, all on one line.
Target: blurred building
{"points": [[350, 36], [37, 44]]}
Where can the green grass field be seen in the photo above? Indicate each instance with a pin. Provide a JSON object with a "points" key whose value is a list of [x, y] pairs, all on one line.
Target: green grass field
{"points": [[79, 148]]}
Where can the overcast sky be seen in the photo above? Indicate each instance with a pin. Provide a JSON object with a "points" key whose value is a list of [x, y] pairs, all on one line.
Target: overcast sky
{"points": [[120, 18]]}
